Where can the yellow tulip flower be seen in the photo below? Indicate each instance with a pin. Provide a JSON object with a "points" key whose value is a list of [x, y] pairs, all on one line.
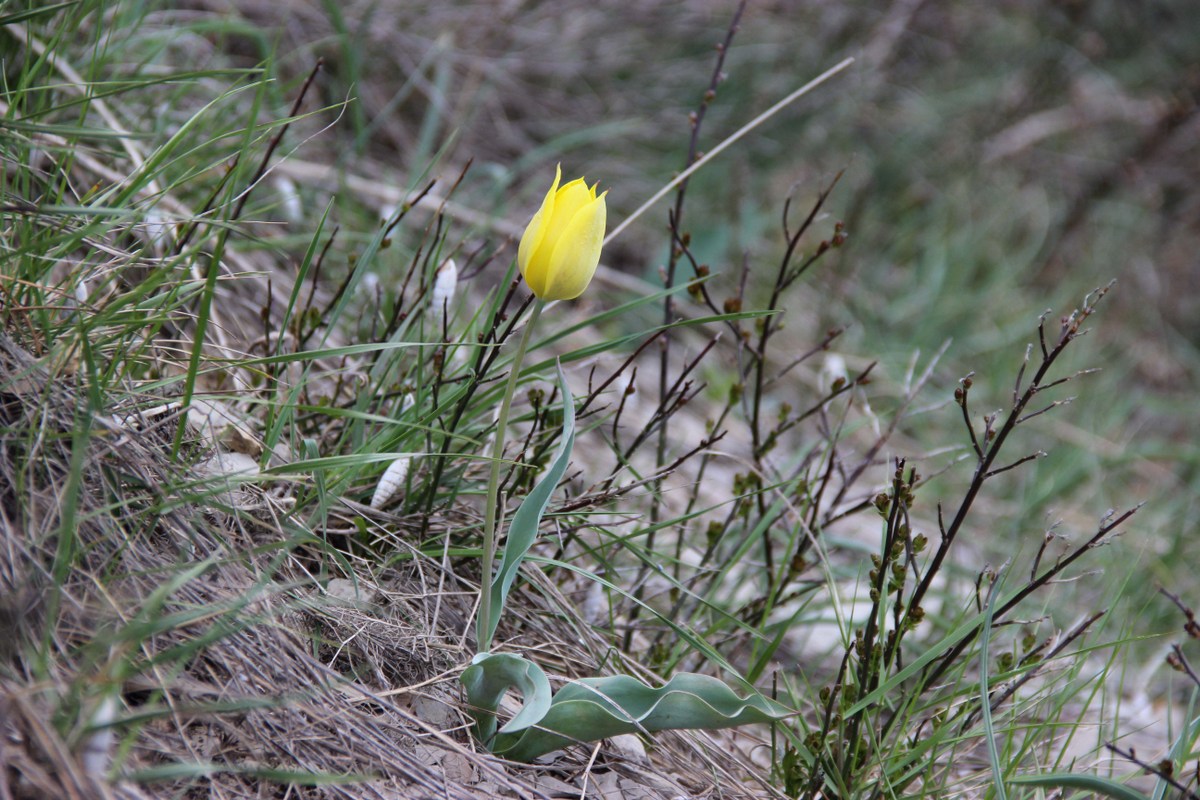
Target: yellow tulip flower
{"points": [[560, 248]]}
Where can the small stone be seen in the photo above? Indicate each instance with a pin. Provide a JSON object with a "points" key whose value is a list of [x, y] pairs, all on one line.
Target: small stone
{"points": [[457, 767], [630, 747], [554, 787], [349, 591], [607, 786], [436, 713], [228, 464]]}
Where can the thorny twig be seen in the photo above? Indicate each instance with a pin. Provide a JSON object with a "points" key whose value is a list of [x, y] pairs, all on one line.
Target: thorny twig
{"points": [[1163, 770], [696, 120]]}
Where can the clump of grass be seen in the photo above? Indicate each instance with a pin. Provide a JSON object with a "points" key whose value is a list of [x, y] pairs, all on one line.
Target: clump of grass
{"points": [[204, 590]]}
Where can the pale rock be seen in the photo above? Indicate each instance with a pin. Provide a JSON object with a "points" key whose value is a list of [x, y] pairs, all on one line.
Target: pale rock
{"points": [[630, 747], [349, 591], [228, 465]]}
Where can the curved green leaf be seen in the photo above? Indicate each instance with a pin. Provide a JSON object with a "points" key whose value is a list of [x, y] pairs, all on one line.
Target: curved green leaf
{"points": [[1087, 783], [593, 708], [598, 708], [489, 677], [523, 530]]}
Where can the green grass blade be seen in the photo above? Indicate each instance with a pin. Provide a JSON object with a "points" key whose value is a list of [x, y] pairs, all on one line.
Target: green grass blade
{"points": [[985, 706], [1085, 783], [523, 529]]}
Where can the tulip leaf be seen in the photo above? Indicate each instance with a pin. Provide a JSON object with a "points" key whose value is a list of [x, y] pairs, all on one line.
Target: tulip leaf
{"points": [[523, 530], [1093, 784], [591, 709], [486, 680]]}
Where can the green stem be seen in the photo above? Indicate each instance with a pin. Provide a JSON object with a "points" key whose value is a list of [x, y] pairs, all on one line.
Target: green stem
{"points": [[492, 507]]}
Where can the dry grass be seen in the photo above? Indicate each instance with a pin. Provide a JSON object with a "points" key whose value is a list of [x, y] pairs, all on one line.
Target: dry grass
{"points": [[267, 638], [247, 668]]}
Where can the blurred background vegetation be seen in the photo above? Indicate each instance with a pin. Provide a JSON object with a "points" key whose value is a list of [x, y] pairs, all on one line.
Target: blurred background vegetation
{"points": [[999, 160]]}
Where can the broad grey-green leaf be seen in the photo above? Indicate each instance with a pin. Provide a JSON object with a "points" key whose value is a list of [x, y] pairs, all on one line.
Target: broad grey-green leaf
{"points": [[598, 708], [523, 529], [1088, 783], [593, 708], [489, 677]]}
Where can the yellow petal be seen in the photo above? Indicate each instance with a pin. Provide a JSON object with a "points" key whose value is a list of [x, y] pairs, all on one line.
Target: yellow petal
{"points": [[576, 252], [535, 234], [567, 203]]}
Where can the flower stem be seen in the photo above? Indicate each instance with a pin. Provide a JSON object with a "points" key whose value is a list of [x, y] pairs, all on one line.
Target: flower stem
{"points": [[482, 626]]}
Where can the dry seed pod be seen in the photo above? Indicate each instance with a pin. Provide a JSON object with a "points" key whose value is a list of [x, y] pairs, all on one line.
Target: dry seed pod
{"points": [[96, 753], [407, 401], [289, 199], [391, 482], [832, 371], [369, 285], [156, 231], [444, 281], [82, 290]]}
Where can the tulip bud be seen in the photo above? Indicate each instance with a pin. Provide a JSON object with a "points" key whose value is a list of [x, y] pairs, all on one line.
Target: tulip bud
{"points": [[560, 248]]}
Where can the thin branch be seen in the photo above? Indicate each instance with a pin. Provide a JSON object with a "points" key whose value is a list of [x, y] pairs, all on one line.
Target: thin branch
{"points": [[1017, 463], [1163, 770]]}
